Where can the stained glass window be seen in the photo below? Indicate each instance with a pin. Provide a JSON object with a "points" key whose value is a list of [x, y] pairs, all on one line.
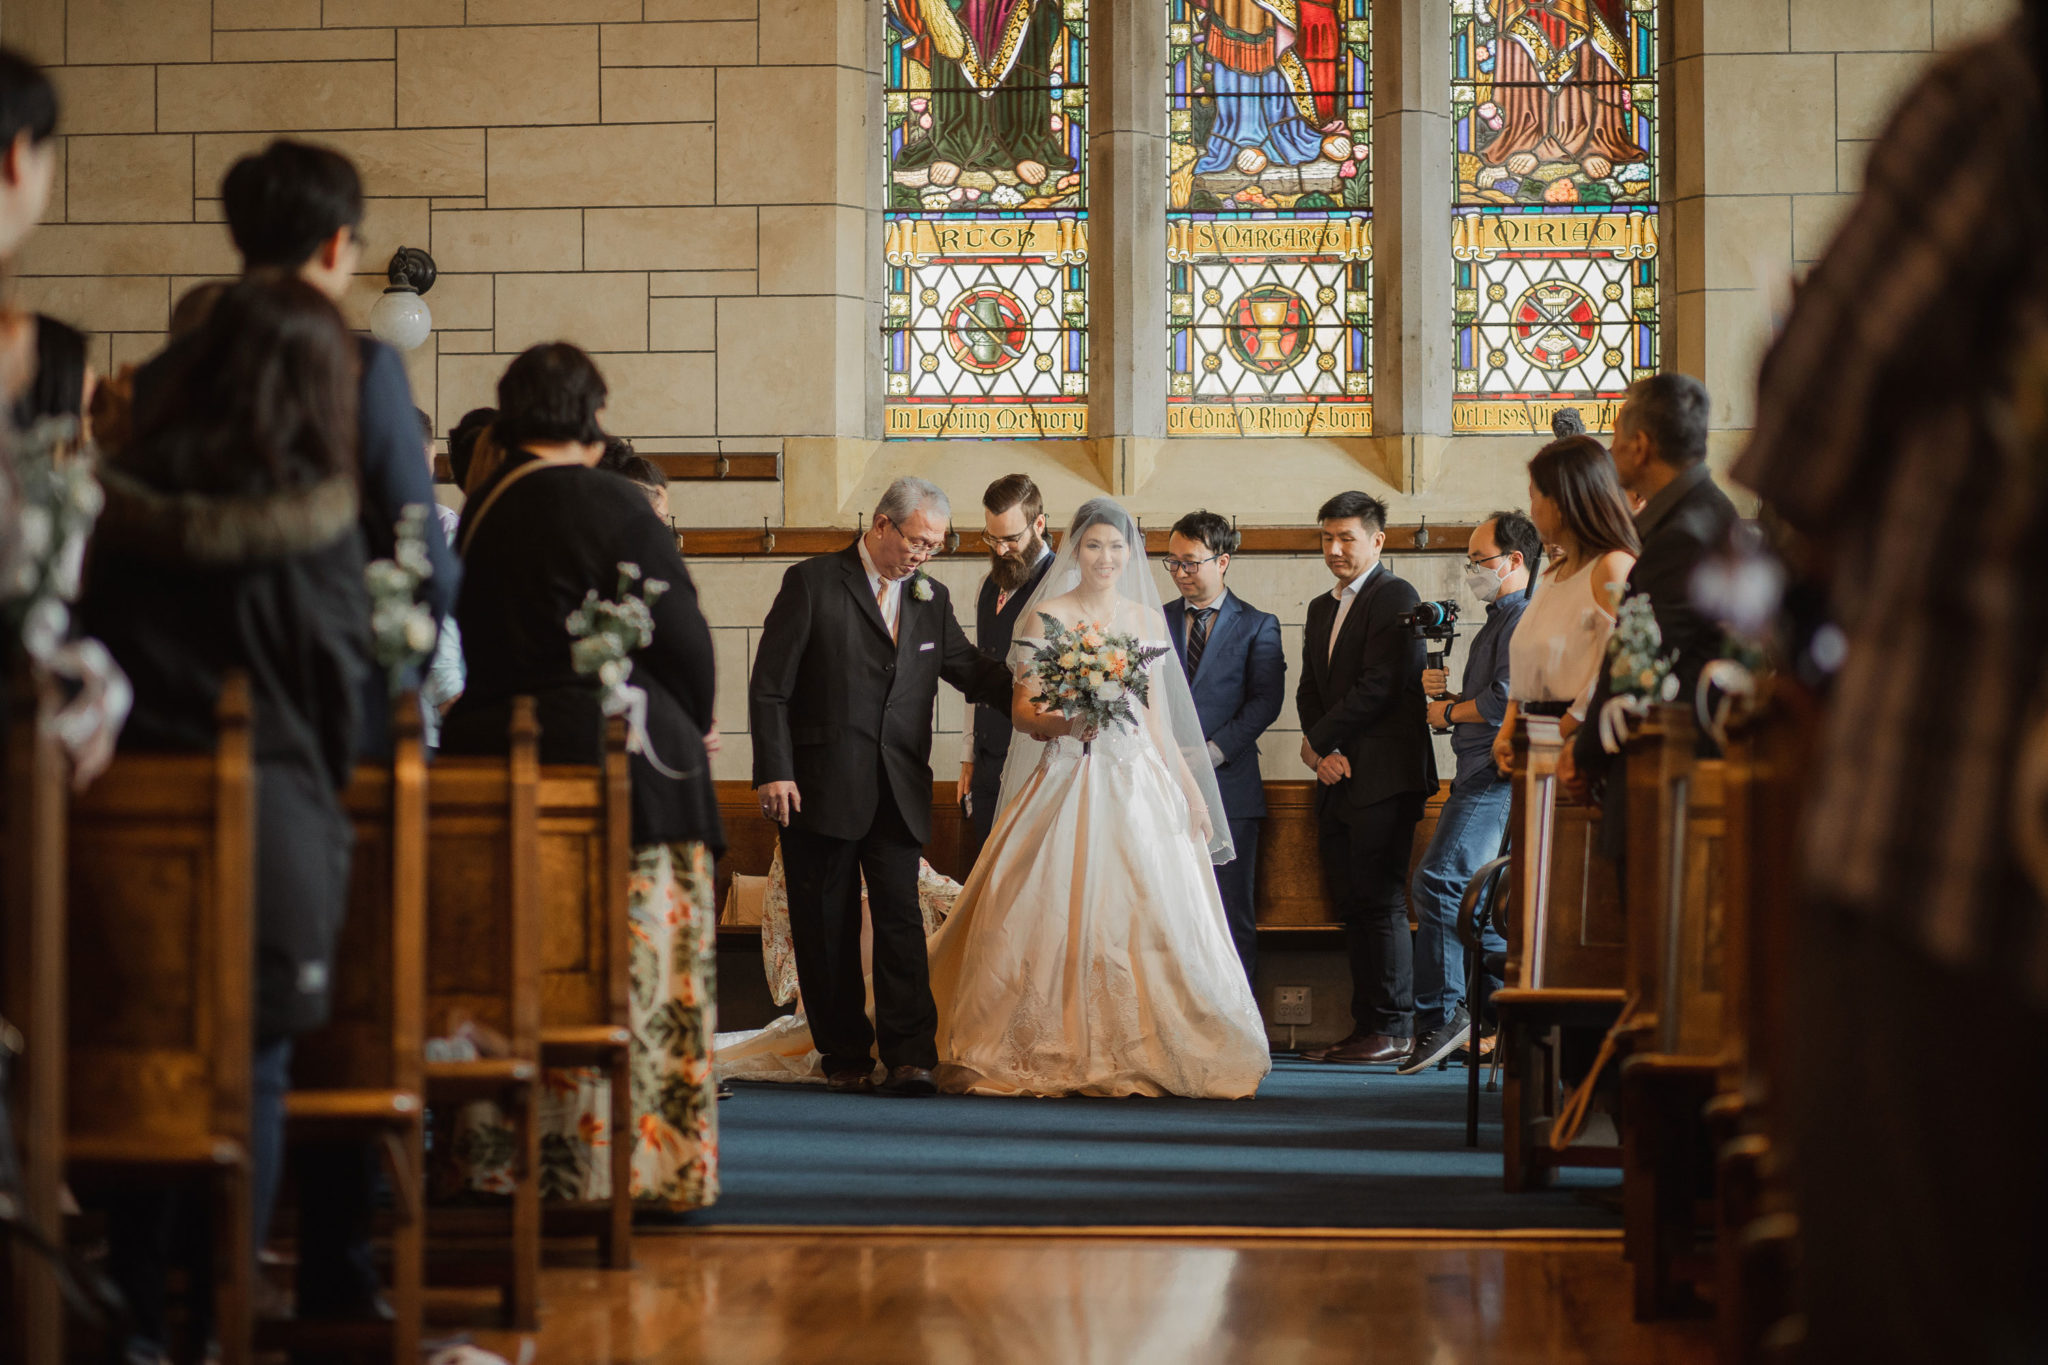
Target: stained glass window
{"points": [[1554, 223], [985, 329], [1269, 218]]}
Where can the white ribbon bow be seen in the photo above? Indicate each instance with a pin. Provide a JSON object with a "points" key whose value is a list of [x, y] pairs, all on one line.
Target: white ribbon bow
{"points": [[1723, 683], [1615, 718], [624, 699]]}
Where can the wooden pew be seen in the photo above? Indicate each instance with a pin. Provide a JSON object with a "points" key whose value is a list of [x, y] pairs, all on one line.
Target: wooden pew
{"points": [[585, 837], [32, 1001], [1564, 962], [483, 960], [1755, 1228], [1677, 864], [161, 945], [361, 1077]]}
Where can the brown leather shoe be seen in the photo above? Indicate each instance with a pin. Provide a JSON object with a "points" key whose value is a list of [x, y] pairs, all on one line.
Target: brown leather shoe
{"points": [[908, 1082], [1322, 1054], [851, 1082], [1372, 1049]]}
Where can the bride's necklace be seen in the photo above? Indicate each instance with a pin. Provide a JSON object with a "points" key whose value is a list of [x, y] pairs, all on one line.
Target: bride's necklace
{"points": [[1100, 610]]}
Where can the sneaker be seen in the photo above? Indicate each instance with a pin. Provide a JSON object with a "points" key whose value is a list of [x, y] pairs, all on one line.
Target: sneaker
{"points": [[1439, 1043]]}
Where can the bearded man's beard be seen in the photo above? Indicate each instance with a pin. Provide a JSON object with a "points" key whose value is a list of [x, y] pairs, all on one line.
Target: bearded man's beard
{"points": [[1010, 573]]}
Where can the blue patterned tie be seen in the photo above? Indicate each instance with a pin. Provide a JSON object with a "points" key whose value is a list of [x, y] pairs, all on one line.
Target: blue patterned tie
{"points": [[1198, 637]]}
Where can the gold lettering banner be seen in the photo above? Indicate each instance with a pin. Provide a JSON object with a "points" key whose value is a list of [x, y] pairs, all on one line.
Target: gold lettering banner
{"points": [[1024, 420], [1626, 236], [1349, 239], [1269, 419], [907, 241], [1528, 417]]}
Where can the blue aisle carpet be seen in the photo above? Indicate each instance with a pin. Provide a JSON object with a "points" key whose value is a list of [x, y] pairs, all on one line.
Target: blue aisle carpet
{"points": [[1316, 1149]]}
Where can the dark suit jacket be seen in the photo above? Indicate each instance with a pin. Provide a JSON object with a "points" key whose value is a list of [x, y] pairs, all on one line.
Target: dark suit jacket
{"points": [[1238, 692], [1365, 700], [392, 472], [554, 536], [832, 695], [1677, 535], [993, 631]]}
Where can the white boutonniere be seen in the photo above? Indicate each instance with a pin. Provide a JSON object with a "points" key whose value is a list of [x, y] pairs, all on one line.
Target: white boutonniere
{"points": [[920, 587]]}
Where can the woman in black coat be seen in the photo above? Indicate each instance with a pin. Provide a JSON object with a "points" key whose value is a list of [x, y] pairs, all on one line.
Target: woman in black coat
{"points": [[538, 534], [229, 542]]}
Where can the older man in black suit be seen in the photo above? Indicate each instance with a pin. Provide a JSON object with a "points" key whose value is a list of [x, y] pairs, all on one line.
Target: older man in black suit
{"points": [[845, 676], [1660, 452], [1365, 734]]}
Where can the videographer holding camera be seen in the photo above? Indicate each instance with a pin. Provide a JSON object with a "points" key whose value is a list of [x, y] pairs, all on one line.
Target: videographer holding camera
{"points": [[1499, 559]]}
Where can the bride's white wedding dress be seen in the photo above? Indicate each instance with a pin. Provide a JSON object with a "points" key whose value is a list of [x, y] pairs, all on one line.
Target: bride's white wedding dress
{"points": [[1089, 953]]}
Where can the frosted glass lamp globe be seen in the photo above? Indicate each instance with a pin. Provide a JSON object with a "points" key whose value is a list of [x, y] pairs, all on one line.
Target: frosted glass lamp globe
{"points": [[401, 319]]}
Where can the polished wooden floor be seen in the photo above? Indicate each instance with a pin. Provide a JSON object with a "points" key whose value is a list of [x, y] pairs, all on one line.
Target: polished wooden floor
{"points": [[868, 1297]]}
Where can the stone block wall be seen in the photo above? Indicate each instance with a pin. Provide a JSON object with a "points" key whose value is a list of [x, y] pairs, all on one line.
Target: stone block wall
{"points": [[691, 189]]}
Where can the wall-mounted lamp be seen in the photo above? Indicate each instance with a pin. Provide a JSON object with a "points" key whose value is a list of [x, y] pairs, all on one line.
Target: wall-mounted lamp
{"points": [[401, 318]]}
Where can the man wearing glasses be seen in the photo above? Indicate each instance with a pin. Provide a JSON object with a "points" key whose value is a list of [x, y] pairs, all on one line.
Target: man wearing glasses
{"points": [[1238, 672], [1013, 529], [845, 677], [1498, 561]]}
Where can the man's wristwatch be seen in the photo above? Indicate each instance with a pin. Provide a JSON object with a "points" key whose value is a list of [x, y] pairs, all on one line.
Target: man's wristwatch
{"points": [[1450, 701]]}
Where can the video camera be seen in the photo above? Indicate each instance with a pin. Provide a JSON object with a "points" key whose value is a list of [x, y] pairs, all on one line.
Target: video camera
{"points": [[1436, 623]]}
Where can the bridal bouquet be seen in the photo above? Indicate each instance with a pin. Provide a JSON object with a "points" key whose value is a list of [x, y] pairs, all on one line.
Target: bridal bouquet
{"points": [[401, 626], [1093, 674]]}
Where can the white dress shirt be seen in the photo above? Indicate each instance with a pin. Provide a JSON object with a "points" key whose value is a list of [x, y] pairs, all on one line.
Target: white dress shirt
{"points": [[1346, 594], [887, 591]]}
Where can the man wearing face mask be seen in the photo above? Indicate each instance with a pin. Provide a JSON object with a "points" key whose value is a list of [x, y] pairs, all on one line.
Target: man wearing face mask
{"points": [[1499, 561]]}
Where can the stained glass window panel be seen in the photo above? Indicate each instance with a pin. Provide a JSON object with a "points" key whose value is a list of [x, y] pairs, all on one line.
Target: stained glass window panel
{"points": [[986, 231], [1554, 221], [1269, 217]]}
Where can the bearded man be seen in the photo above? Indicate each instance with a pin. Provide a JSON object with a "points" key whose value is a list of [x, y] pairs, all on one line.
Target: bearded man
{"points": [[1013, 528], [1561, 82]]}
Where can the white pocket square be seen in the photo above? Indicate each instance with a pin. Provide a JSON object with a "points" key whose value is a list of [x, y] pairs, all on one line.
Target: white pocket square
{"points": [[923, 647]]}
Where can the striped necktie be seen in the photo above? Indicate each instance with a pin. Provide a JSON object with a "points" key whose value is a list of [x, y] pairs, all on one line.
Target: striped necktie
{"points": [[1198, 636]]}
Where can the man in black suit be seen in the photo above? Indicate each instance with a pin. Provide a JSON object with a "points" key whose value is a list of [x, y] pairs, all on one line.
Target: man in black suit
{"points": [[1365, 735], [845, 678], [1660, 452], [1013, 527], [1237, 671]]}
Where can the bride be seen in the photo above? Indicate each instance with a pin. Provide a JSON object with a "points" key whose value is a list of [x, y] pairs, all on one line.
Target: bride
{"points": [[1089, 953]]}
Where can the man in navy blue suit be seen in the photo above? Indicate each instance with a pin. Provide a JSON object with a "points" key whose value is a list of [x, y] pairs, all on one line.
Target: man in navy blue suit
{"points": [[1238, 672]]}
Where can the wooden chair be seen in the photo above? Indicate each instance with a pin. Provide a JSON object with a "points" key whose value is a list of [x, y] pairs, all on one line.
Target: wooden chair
{"points": [[483, 961], [32, 1000], [361, 1078], [586, 864], [1677, 864], [1755, 1228], [1564, 963], [161, 944]]}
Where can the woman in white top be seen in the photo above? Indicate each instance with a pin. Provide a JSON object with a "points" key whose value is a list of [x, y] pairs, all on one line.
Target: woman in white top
{"points": [[1554, 658]]}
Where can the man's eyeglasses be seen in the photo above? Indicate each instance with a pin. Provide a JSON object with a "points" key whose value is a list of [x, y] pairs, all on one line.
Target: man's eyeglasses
{"points": [[1181, 566], [1482, 563], [1016, 542], [926, 548]]}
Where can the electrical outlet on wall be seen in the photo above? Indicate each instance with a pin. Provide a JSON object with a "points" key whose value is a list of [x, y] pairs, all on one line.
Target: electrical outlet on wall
{"points": [[1292, 1005]]}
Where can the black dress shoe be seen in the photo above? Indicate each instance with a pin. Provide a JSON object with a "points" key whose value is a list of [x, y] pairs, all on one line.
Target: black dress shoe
{"points": [[851, 1082], [909, 1082], [1370, 1050], [1322, 1054]]}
